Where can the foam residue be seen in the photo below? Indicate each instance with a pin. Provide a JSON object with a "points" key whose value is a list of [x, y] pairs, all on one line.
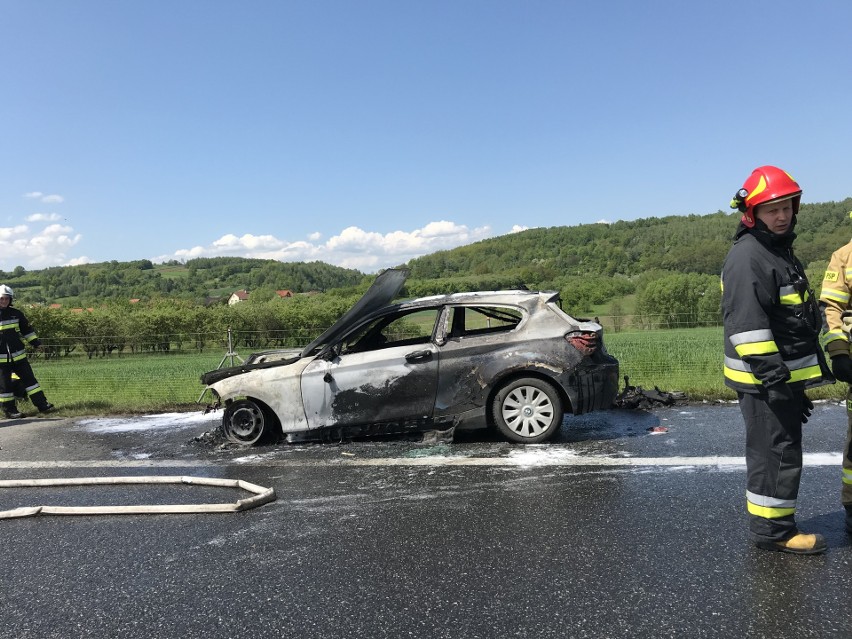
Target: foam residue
{"points": [[136, 423]]}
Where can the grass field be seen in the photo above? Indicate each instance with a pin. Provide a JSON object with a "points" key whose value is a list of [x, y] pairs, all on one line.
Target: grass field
{"points": [[687, 360]]}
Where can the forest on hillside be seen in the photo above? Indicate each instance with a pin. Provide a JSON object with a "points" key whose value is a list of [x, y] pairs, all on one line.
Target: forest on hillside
{"points": [[198, 280]]}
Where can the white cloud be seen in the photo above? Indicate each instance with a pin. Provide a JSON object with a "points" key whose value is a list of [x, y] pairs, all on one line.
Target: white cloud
{"points": [[44, 217], [517, 228], [47, 199], [353, 247], [37, 247]]}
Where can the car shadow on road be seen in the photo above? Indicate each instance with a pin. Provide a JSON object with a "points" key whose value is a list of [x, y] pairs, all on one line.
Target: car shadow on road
{"points": [[607, 424]]}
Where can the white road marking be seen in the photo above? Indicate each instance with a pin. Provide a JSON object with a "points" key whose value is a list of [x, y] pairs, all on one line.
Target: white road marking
{"points": [[522, 460]]}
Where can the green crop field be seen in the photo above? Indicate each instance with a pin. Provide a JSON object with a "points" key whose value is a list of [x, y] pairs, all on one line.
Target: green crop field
{"points": [[687, 360]]}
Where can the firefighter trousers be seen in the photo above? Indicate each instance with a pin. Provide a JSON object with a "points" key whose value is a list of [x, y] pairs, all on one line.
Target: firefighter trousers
{"points": [[7, 392], [846, 491], [773, 463]]}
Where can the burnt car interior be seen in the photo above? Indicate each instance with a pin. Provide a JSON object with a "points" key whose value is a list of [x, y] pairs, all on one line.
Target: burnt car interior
{"points": [[396, 329], [467, 321]]}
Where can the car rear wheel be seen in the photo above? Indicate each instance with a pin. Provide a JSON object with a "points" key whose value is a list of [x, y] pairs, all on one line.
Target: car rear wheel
{"points": [[527, 411], [246, 422]]}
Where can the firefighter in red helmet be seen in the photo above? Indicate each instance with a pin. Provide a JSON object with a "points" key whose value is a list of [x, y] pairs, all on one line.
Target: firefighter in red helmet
{"points": [[772, 354]]}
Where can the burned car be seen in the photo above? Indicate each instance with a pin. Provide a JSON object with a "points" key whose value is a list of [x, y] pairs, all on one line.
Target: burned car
{"points": [[510, 360]]}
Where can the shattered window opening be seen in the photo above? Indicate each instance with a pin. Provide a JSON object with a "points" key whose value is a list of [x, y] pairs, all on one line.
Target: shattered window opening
{"points": [[399, 329]]}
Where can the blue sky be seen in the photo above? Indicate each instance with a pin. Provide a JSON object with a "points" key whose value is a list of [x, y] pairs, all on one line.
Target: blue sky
{"points": [[366, 132]]}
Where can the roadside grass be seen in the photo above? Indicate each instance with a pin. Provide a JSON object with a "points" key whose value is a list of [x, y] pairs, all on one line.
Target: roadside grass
{"points": [[686, 360]]}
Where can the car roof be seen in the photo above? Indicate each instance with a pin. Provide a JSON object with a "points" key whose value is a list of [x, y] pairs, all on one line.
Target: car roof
{"points": [[480, 297], [389, 283]]}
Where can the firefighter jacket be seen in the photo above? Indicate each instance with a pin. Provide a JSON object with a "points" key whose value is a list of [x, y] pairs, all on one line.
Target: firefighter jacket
{"points": [[14, 331], [772, 321], [834, 300]]}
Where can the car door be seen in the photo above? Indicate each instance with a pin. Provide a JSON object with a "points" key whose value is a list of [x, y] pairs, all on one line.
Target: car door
{"points": [[384, 371], [476, 341]]}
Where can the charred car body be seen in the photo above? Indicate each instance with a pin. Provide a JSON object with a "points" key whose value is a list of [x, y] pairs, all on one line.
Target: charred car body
{"points": [[506, 359]]}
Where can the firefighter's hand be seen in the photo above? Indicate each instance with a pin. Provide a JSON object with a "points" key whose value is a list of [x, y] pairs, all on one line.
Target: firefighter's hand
{"points": [[779, 393], [807, 408], [841, 366]]}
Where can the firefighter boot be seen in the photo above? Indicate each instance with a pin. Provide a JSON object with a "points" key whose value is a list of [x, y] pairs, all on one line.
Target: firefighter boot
{"points": [[46, 407], [849, 519], [11, 411], [798, 544]]}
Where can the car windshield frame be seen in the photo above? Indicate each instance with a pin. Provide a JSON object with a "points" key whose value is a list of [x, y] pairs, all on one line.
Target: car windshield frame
{"points": [[385, 288]]}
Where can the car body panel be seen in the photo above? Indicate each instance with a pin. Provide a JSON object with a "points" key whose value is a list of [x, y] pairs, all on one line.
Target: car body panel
{"points": [[386, 385], [278, 387]]}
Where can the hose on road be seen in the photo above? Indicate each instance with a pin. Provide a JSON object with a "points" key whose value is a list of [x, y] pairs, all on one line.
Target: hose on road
{"points": [[261, 496]]}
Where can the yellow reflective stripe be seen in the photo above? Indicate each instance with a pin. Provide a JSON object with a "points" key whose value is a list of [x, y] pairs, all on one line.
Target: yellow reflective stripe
{"points": [[769, 507], [769, 513], [745, 377], [847, 476], [792, 299], [833, 336], [834, 295], [757, 348], [741, 377], [802, 374]]}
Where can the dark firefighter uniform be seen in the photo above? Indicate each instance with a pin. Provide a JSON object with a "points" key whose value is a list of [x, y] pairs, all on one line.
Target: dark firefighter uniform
{"points": [[772, 325], [835, 301], [14, 331]]}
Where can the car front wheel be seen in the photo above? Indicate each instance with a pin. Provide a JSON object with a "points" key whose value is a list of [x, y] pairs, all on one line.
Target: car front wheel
{"points": [[246, 422], [527, 411]]}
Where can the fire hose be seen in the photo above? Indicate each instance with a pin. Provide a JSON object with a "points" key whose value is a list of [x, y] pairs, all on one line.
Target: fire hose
{"points": [[260, 496]]}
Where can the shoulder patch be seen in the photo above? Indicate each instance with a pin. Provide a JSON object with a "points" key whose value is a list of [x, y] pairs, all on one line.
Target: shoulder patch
{"points": [[830, 276]]}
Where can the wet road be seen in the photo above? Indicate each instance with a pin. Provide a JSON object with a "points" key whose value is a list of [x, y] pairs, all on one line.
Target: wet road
{"points": [[611, 531]]}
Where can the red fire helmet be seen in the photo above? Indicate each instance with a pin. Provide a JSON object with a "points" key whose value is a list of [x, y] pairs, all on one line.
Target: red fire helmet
{"points": [[766, 184]]}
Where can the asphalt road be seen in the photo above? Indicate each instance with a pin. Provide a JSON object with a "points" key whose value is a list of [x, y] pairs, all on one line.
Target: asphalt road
{"points": [[613, 530]]}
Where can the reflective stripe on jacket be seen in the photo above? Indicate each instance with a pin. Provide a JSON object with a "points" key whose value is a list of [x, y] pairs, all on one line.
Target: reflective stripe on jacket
{"points": [[14, 331]]}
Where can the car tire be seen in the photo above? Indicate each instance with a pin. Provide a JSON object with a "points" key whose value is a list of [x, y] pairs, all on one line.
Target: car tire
{"points": [[527, 411], [246, 422]]}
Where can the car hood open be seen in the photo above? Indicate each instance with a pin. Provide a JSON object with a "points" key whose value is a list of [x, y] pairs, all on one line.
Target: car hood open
{"points": [[383, 290]]}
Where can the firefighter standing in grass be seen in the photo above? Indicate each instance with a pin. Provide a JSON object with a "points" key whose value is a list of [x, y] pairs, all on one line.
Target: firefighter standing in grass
{"points": [[772, 354], [837, 314], [14, 331]]}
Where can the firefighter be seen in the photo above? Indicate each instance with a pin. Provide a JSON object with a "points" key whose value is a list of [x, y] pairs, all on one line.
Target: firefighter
{"points": [[14, 331], [772, 354], [837, 321]]}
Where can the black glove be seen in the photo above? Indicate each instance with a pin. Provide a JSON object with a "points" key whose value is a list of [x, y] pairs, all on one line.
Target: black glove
{"points": [[841, 366], [807, 407], [779, 393]]}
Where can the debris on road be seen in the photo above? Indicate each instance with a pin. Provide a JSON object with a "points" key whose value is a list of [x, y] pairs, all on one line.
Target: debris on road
{"points": [[636, 397]]}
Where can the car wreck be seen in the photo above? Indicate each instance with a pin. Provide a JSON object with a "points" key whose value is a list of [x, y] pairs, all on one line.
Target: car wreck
{"points": [[509, 360]]}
